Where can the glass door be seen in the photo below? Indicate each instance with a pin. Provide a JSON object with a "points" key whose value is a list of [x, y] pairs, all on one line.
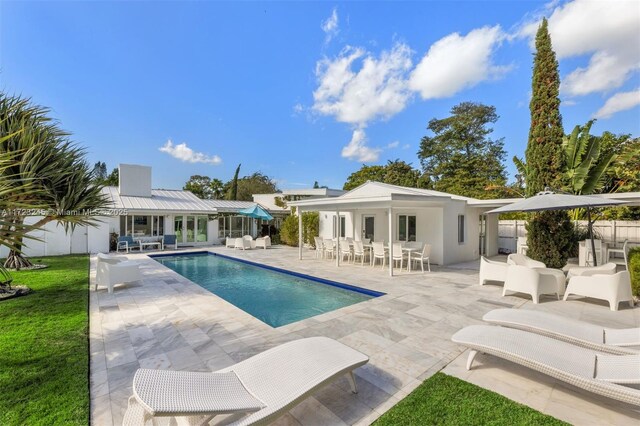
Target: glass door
{"points": [[201, 234], [178, 223], [368, 227], [191, 229]]}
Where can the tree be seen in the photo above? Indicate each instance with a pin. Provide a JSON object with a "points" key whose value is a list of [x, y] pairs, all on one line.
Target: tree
{"points": [[395, 172], [200, 186], [550, 233], [232, 194], [113, 179], [100, 171], [256, 183], [586, 163], [44, 157], [461, 158]]}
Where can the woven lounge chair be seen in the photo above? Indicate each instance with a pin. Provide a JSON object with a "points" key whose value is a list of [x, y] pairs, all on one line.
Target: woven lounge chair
{"points": [[260, 389], [602, 374], [570, 330]]}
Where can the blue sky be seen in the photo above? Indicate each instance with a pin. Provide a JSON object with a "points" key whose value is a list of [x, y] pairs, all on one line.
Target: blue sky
{"points": [[305, 91]]}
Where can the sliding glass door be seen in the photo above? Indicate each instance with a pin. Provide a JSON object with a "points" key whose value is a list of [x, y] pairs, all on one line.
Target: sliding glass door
{"points": [[191, 229]]}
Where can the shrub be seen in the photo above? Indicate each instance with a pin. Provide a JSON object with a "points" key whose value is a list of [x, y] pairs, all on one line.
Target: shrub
{"points": [[289, 231], [310, 229], [634, 269]]}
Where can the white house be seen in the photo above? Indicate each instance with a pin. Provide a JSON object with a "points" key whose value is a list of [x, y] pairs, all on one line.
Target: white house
{"points": [[455, 226], [145, 213]]}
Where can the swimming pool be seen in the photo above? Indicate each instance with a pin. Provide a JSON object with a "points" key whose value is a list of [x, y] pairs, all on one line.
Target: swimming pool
{"points": [[274, 296]]}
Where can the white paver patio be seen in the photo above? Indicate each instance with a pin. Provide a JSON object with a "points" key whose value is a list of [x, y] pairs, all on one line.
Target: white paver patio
{"points": [[168, 322]]}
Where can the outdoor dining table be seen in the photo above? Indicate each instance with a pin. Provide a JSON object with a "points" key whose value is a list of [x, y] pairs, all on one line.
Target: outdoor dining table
{"points": [[409, 250]]}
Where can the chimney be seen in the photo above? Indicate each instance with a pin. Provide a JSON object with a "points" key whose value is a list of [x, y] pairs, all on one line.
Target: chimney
{"points": [[135, 180]]}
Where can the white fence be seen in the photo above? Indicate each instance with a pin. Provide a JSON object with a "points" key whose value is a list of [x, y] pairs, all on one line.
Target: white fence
{"points": [[609, 230]]}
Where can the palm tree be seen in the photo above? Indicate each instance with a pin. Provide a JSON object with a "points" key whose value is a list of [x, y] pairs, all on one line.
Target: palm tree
{"points": [[43, 158]]}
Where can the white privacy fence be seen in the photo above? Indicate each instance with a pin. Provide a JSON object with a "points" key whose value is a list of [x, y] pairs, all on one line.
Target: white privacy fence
{"points": [[609, 230]]}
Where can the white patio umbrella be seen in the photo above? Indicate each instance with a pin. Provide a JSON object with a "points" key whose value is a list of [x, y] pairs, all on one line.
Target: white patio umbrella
{"points": [[549, 200]]}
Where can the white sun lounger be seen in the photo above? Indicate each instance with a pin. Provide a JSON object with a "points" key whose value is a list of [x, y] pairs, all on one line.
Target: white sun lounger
{"points": [[260, 389], [568, 329], [602, 374]]}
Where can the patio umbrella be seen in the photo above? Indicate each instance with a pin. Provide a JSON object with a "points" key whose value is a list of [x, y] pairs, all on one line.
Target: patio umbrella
{"points": [[256, 212], [548, 200]]}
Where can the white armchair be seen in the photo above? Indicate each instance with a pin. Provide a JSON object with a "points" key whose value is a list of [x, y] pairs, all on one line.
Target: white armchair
{"points": [[522, 260], [614, 288], [263, 242], [230, 242], [242, 243], [531, 281], [587, 271], [111, 270], [250, 240], [491, 270]]}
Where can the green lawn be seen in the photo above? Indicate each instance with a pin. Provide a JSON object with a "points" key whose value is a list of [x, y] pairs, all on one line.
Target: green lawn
{"points": [[447, 400], [44, 348]]}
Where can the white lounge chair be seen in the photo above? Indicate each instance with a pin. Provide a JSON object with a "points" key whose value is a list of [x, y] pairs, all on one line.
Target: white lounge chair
{"points": [[261, 388], [603, 339], [112, 270], [533, 281], [230, 242], [602, 374], [522, 260], [491, 270], [263, 242], [613, 288], [587, 271]]}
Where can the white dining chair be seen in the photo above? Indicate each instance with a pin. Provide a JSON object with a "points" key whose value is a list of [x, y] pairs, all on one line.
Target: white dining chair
{"points": [[398, 254], [358, 251], [589, 254], [379, 253], [624, 251], [329, 247], [421, 257]]}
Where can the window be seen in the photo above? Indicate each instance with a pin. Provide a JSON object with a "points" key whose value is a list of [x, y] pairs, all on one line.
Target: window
{"points": [[460, 229], [343, 226], [407, 228]]}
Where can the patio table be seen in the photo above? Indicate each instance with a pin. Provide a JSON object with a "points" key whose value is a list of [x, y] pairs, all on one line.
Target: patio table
{"points": [[144, 244]]}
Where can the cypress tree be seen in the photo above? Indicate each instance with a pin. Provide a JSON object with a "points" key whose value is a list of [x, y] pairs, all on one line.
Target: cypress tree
{"points": [[549, 232]]}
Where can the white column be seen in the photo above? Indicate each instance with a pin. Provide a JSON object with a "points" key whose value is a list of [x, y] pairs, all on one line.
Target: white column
{"points": [[391, 242], [299, 234], [338, 238]]}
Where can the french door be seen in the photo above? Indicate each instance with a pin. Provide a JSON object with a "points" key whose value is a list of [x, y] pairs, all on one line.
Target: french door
{"points": [[368, 227]]}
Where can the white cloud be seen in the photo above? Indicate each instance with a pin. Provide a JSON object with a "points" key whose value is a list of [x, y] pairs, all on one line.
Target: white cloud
{"points": [[330, 26], [457, 62], [357, 150], [607, 30], [619, 102], [183, 153], [377, 89], [393, 144]]}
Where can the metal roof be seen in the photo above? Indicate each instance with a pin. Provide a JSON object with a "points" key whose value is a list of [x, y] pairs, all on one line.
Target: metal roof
{"points": [[166, 200]]}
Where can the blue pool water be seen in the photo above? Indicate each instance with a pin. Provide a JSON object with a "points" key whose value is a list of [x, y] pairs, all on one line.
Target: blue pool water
{"points": [[274, 296]]}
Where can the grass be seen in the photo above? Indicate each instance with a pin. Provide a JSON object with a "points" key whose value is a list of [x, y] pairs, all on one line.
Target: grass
{"points": [[44, 348], [447, 400]]}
